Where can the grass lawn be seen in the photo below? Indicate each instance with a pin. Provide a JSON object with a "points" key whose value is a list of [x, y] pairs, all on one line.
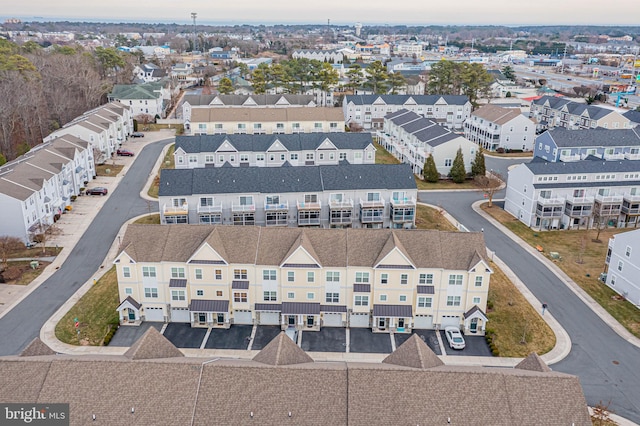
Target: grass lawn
{"points": [[21, 273], [445, 184], [96, 312], [383, 156], [152, 219], [101, 170], [510, 154], [581, 258], [35, 252], [167, 163], [511, 312]]}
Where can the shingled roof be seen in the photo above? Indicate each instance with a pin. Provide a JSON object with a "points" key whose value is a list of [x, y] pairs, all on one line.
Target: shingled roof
{"points": [[282, 351], [37, 348], [533, 363], [414, 353], [152, 345]]}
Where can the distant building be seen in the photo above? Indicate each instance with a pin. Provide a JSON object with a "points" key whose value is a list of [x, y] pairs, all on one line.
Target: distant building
{"points": [[623, 265], [494, 127]]}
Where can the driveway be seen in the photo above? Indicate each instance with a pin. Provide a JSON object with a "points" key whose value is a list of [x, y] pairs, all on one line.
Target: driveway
{"points": [[182, 335], [474, 346], [127, 335], [428, 336], [364, 340], [236, 337], [328, 339], [264, 334]]}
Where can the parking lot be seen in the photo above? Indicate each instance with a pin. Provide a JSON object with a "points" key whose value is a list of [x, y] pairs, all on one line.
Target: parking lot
{"points": [[328, 339]]}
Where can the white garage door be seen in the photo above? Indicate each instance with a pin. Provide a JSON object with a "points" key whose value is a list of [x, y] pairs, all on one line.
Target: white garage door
{"points": [[331, 319], [180, 315], [359, 320], [153, 314], [242, 317], [423, 322], [270, 318], [448, 320]]}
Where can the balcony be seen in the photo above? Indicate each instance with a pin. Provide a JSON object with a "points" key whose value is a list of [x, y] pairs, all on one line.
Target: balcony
{"points": [[571, 157], [631, 207], [372, 215], [341, 204], [631, 198], [243, 208], [308, 205], [341, 217], [580, 200], [630, 156], [214, 208], [168, 210], [372, 204], [608, 199], [276, 207], [611, 157], [555, 201], [404, 202], [402, 214]]}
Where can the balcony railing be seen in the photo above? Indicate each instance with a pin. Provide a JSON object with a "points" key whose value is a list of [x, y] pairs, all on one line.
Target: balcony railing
{"points": [[371, 204], [630, 156], [309, 205], [214, 208], [279, 206], [174, 210], [580, 200], [302, 221], [619, 156], [243, 207], [572, 157], [404, 202], [549, 211], [341, 204], [614, 198], [340, 219], [632, 198], [556, 201]]}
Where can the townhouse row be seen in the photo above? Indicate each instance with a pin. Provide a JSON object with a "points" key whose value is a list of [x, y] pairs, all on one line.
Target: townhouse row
{"points": [[388, 280], [303, 149], [346, 195], [561, 145]]}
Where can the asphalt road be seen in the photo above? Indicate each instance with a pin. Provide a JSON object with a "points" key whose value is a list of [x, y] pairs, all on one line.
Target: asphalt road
{"points": [[23, 323], [608, 366]]}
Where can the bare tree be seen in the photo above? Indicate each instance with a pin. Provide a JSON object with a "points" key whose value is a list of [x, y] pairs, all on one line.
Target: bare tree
{"points": [[489, 184], [7, 246]]}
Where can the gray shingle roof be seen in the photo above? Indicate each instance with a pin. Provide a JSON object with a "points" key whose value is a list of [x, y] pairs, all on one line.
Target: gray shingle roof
{"points": [[574, 108], [300, 308], [260, 143], [402, 99], [424, 129], [282, 351], [542, 167], [633, 116], [414, 353], [273, 180], [533, 363], [591, 138], [152, 345], [203, 305], [37, 348], [392, 311]]}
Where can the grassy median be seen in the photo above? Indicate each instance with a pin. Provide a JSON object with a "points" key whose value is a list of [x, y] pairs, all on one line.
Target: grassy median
{"points": [[168, 162]]}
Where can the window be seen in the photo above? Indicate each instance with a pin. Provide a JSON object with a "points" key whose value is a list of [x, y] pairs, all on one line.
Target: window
{"points": [[620, 265], [362, 300], [310, 156], [455, 279], [448, 162], [426, 279], [310, 198], [311, 277], [218, 293], [476, 300], [270, 296], [384, 278], [283, 157], [151, 292], [128, 290], [424, 302], [453, 300], [269, 274], [149, 271], [259, 157], [198, 274], [126, 272], [333, 277], [362, 277], [613, 280], [293, 156], [478, 282], [239, 274], [332, 297], [193, 159], [208, 158], [628, 251], [311, 296], [246, 200], [291, 295], [244, 158], [206, 201], [321, 156], [404, 279], [383, 297], [343, 156], [240, 297], [177, 295], [291, 276], [403, 298], [199, 292], [218, 274], [177, 272]]}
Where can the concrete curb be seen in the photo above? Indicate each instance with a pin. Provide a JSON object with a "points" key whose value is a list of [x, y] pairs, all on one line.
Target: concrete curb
{"points": [[144, 194], [564, 278]]}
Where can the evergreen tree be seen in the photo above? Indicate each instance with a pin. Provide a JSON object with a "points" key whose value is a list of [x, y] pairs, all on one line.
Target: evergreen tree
{"points": [[477, 166], [430, 171], [225, 86], [458, 172]]}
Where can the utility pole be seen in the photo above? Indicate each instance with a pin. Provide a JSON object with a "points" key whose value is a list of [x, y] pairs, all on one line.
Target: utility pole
{"points": [[194, 15], [564, 56]]}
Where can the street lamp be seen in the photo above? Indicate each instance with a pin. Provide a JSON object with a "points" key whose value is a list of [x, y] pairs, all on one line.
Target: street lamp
{"points": [[194, 15]]}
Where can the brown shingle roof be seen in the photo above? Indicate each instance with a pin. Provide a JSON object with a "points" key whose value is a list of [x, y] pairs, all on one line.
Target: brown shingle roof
{"points": [[533, 363], [37, 348], [282, 351], [152, 345], [496, 114], [414, 353]]}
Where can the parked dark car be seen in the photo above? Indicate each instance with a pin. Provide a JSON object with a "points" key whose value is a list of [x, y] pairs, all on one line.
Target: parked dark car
{"points": [[98, 190], [137, 135], [125, 153]]}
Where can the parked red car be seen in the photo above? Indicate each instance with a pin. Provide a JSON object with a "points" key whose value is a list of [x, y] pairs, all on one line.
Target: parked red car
{"points": [[98, 190], [125, 153]]}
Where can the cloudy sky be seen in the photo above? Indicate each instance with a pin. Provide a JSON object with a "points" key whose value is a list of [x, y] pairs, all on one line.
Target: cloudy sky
{"points": [[420, 12]]}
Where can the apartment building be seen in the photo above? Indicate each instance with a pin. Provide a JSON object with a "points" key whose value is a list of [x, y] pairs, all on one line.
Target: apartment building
{"points": [[368, 111], [301, 149], [561, 145], [151, 98], [493, 127], [331, 56], [412, 138], [623, 265], [36, 188], [345, 195], [579, 194], [550, 112], [260, 120], [388, 280]]}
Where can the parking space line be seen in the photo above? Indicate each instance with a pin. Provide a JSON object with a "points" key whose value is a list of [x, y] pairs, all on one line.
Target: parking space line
{"points": [[439, 336], [164, 327], [347, 337], [206, 337], [253, 334], [393, 341], [299, 342]]}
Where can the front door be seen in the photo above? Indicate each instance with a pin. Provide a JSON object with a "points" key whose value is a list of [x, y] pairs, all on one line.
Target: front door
{"points": [[474, 325], [220, 318], [310, 321], [132, 315], [382, 323], [401, 323], [202, 318], [292, 320]]}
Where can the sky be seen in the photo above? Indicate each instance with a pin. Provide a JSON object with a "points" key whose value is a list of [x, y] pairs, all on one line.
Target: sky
{"points": [[339, 12]]}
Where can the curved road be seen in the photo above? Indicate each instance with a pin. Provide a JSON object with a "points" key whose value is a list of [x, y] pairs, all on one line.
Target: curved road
{"points": [[23, 323], [608, 366]]}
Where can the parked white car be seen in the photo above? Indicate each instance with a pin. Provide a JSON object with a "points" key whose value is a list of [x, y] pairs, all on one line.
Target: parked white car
{"points": [[454, 337]]}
